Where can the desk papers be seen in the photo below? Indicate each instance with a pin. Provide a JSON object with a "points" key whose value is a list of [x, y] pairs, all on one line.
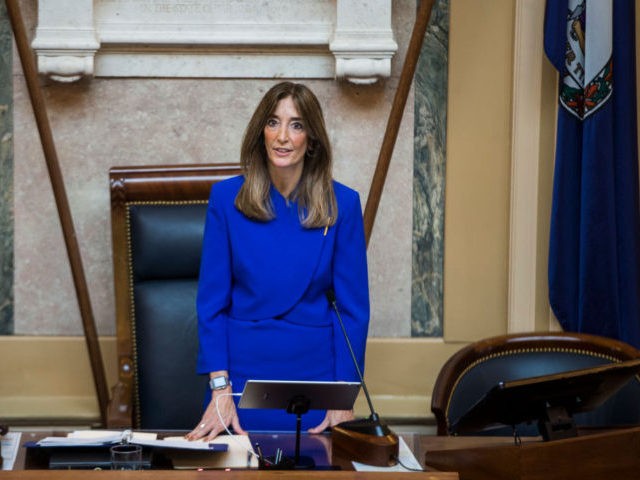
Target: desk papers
{"points": [[239, 454], [89, 438], [10, 445], [407, 459]]}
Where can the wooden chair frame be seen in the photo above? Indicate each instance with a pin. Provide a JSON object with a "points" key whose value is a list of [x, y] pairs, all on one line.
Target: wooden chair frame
{"points": [[138, 185]]}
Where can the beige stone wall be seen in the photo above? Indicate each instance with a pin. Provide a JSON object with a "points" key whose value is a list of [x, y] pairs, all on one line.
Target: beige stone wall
{"points": [[101, 122], [478, 169]]}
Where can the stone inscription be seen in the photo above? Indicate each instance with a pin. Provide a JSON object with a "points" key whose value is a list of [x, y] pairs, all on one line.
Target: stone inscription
{"points": [[115, 11], [165, 6]]}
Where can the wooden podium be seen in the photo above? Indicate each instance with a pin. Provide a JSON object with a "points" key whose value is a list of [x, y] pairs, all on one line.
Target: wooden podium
{"points": [[610, 455]]}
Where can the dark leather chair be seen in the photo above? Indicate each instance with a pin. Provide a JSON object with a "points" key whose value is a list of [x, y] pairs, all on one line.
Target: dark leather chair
{"points": [[157, 223], [479, 366]]}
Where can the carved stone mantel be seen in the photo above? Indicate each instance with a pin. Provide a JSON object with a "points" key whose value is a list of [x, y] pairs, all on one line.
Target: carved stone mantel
{"points": [[350, 39]]}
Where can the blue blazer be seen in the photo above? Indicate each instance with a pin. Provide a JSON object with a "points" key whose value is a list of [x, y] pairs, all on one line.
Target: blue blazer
{"points": [[278, 272]]}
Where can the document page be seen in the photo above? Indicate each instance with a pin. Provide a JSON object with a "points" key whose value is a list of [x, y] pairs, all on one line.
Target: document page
{"points": [[407, 459], [239, 454], [108, 437], [10, 446]]}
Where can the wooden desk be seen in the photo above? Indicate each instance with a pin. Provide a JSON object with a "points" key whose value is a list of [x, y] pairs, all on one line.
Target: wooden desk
{"points": [[218, 474], [613, 454], [413, 441]]}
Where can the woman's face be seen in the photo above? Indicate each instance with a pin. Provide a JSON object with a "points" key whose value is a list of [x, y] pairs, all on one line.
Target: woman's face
{"points": [[285, 138]]}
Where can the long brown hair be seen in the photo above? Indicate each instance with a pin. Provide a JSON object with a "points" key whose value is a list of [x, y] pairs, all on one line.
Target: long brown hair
{"points": [[317, 206]]}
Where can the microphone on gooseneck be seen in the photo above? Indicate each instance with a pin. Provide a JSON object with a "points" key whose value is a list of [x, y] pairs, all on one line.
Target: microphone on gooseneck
{"points": [[367, 440], [331, 297]]}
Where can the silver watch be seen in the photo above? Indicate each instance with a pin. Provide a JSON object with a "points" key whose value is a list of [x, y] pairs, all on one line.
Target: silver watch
{"points": [[219, 383]]}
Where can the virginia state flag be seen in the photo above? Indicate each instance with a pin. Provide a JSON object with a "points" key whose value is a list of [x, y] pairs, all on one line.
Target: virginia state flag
{"points": [[594, 252]]}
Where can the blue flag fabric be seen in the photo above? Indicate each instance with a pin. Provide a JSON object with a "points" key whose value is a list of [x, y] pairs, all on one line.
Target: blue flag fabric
{"points": [[594, 251]]}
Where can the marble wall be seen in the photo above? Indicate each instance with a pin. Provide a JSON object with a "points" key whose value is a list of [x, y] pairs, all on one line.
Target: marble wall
{"points": [[102, 122], [430, 130], [6, 175]]}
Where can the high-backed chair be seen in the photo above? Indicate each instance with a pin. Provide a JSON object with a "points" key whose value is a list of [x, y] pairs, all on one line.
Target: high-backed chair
{"points": [[479, 366], [157, 223]]}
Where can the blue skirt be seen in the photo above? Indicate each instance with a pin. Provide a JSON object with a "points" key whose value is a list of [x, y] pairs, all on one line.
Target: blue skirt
{"points": [[276, 349]]}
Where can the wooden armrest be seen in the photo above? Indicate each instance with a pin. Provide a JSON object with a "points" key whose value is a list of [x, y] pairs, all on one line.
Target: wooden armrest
{"points": [[120, 407]]}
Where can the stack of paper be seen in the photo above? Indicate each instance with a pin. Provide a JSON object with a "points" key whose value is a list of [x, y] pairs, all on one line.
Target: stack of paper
{"points": [[107, 437], [407, 463], [225, 451], [9, 448], [239, 454]]}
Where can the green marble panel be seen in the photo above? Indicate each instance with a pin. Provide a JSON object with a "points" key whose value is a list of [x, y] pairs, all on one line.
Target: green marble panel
{"points": [[429, 176], [6, 174]]}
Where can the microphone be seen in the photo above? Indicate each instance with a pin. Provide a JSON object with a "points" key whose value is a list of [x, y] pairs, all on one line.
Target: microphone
{"points": [[367, 440]]}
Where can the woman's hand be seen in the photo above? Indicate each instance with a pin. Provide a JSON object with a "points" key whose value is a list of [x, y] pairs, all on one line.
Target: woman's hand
{"points": [[333, 418], [209, 426]]}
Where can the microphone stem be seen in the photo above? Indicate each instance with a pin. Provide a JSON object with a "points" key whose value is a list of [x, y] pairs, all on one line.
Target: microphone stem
{"points": [[374, 415]]}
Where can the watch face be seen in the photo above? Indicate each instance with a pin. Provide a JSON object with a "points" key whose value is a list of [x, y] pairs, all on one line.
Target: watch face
{"points": [[218, 383]]}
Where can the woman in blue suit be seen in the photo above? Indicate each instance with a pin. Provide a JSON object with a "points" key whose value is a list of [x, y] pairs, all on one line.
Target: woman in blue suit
{"points": [[276, 240]]}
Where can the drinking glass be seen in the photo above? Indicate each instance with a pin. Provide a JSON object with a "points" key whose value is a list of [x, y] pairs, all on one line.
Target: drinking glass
{"points": [[126, 457]]}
